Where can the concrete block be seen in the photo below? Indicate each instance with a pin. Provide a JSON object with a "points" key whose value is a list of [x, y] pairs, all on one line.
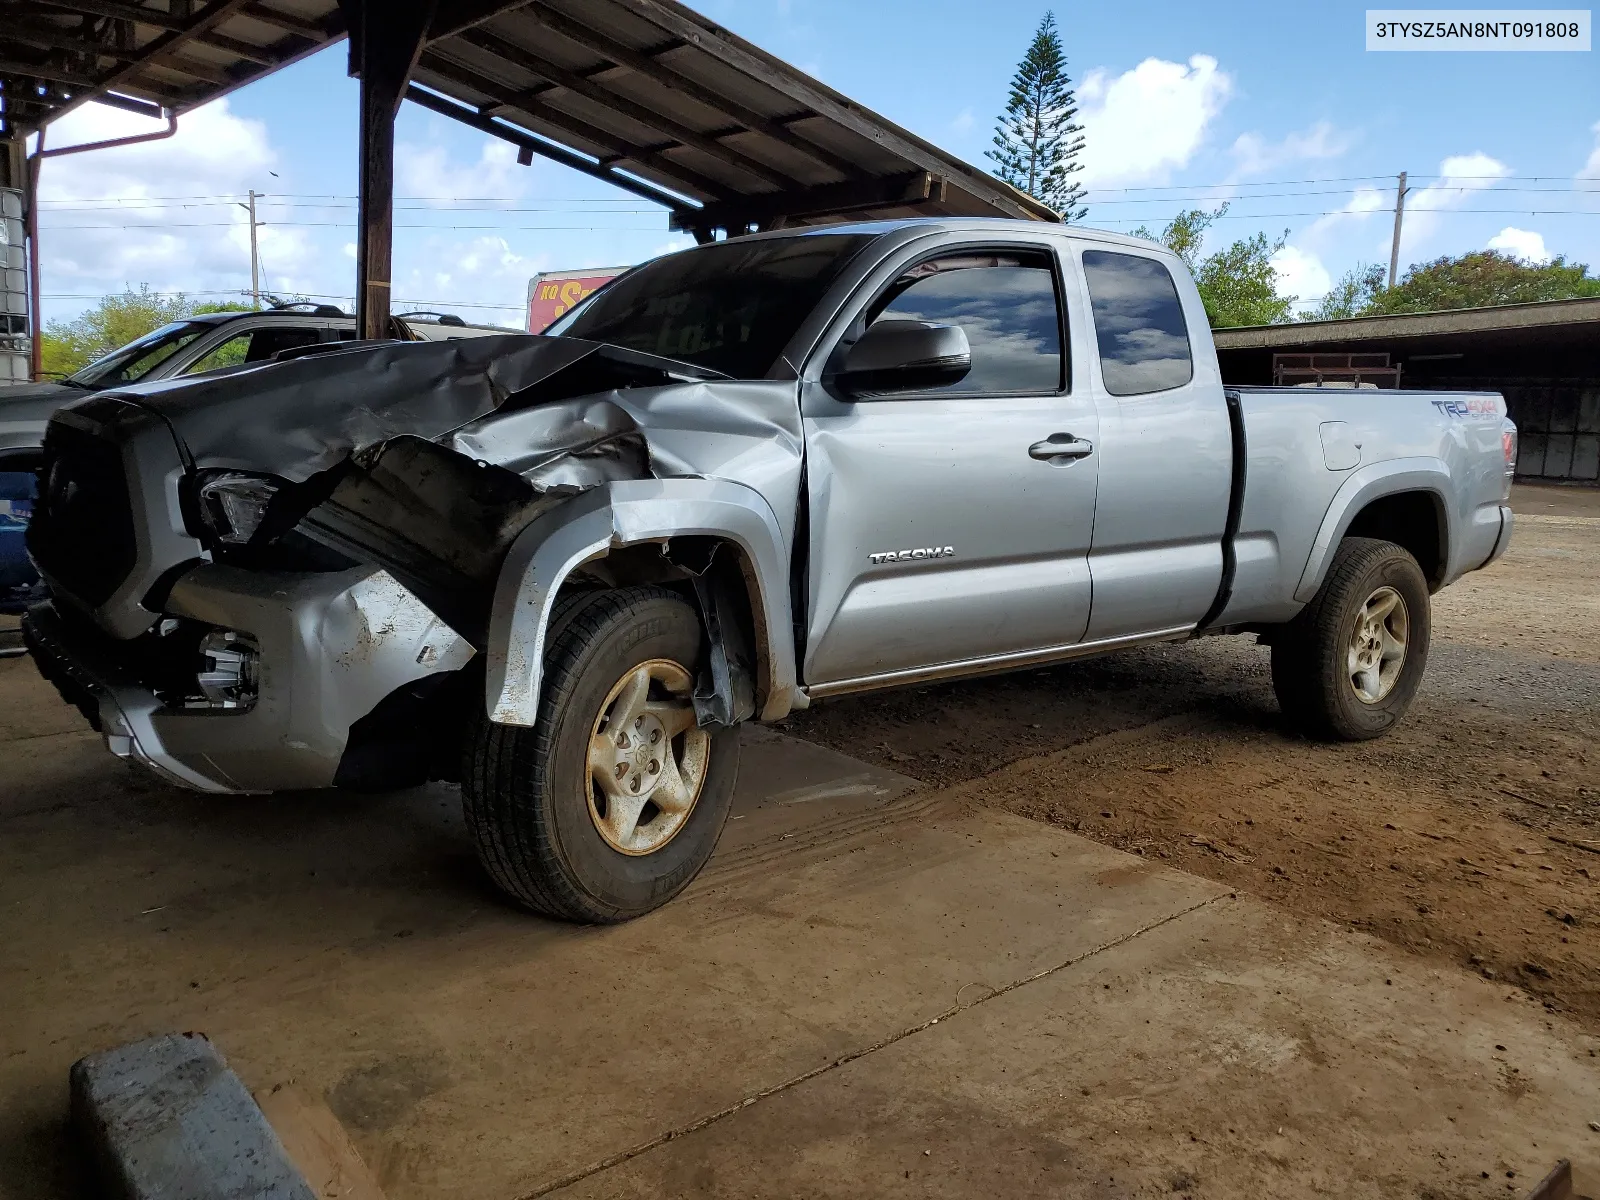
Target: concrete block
{"points": [[166, 1118]]}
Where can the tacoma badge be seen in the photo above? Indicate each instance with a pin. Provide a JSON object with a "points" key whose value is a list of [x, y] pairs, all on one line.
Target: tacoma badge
{"points": [[888, 556]]}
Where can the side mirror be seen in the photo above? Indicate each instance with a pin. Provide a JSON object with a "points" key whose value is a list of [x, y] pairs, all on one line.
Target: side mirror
{"points": [[898, 356]]}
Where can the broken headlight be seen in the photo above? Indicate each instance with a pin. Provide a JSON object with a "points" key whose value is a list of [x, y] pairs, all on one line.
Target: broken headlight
{"points": [[233, 505]]}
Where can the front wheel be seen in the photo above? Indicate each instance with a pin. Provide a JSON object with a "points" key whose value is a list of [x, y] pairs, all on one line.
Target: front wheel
{"points": [[614, 800], [1348, 667]]}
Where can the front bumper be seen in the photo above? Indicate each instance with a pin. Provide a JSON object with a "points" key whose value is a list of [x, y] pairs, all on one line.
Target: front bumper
{"points": [[331, 647]]}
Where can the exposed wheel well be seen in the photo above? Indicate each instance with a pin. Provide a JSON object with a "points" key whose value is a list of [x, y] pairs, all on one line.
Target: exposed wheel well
{"points": [[678, 564], [1414, 520]]}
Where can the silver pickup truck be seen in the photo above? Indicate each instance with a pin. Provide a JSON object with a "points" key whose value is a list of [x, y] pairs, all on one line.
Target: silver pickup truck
{"points": [[563, 569]]}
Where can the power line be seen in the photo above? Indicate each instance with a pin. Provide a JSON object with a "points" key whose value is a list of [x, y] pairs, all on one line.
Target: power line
{"points": [[351, 225], [1362, 212], [516, 307]]}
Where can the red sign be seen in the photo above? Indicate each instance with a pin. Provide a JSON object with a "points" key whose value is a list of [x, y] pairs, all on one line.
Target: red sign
{"points": [[554, 292]]}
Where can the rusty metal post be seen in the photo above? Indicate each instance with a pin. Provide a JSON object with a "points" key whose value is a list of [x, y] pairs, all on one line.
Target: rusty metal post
{"points": [[385, 42]]}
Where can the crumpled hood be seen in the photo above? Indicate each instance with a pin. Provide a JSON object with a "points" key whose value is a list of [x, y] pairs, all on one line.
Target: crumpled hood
{"points": [[302, 416]]}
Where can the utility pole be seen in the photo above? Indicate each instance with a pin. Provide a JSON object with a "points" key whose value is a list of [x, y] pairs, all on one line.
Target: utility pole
{"points": [[255, 257], [1399, 215]]}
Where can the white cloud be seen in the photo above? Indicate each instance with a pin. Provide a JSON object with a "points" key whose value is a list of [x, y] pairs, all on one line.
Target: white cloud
{"points": [[1591, 169], [1363, 202], [430, 174], [1520, 243], [162, 213], [1460, 177], [479, 271], [964, 121], [1145, 123], [1301, 274], [1254, 155]]}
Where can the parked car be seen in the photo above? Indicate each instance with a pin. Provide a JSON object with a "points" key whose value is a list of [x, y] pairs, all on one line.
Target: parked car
{"points": [[736, 481], [183, 348]]}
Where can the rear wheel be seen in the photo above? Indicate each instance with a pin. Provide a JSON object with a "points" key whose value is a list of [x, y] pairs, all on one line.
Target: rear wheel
{"points": [[614, 800], [1348, 667]]}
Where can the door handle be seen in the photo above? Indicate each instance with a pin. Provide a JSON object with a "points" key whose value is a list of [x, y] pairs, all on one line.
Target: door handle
{"points": [[1061, 445]]}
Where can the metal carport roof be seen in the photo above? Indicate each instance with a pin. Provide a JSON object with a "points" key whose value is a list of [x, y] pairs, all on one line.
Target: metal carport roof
{"points": [[646, 94]]}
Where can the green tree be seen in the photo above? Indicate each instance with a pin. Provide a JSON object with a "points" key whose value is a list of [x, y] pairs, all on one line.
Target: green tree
{"points": [[1036, 142], [1353, 296], [1238, 284], [69, 346], [1482, 278]]}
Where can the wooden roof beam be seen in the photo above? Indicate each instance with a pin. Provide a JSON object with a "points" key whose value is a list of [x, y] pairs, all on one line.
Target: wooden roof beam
{"points": [[531, 145], [829, 199], [597, 91], [648, 65], [120, 12], [646, 156], [733, 51]]}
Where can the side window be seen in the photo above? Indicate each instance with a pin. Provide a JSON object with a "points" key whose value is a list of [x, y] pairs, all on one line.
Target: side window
{"points": [[1138, 323], [138, 368], [1007, 305], [255, 346]]}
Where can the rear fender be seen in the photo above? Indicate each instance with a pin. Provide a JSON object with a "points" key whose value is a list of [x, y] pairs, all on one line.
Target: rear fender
{"points": [[1360, 489], [627, 513]]}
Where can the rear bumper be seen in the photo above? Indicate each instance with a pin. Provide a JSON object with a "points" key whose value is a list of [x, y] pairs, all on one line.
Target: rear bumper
{"points": [[331, 647], [1504, 539]]}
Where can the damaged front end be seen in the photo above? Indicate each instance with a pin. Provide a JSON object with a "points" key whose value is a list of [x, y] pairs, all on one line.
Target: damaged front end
{"points": [[479, 477]]}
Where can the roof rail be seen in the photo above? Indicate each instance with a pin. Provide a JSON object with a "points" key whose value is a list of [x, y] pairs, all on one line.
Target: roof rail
{"points": [[317, 310], [441, 318]]}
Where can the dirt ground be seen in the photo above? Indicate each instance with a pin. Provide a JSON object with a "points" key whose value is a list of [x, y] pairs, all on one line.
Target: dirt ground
{"points": [[1470, 835]]}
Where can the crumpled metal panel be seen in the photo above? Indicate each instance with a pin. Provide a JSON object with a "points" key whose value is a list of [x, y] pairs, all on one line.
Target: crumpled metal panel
{"points": [[747, 432], [299, 417]]}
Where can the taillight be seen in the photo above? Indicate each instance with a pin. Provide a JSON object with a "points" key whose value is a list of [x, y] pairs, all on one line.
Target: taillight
{"points": [[1508, 444]]}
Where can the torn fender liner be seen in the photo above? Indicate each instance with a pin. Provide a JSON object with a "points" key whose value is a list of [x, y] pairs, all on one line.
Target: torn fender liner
{"points": [[439, 522], [296, 418]]}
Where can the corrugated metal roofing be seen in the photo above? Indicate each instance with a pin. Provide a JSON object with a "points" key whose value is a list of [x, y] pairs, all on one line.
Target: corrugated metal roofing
{"points": [[146, 55], [645, 93]]}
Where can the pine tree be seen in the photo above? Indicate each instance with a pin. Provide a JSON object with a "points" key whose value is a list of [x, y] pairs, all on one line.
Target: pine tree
{"points": [[1036, 142]]}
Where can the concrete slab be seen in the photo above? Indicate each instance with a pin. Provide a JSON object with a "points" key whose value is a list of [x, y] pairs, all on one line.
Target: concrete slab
{"points": [[902, 973], [1233, 1051]]}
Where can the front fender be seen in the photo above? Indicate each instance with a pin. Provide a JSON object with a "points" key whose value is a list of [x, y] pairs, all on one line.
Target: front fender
{"points": [[626, 513], [1361, 488]]}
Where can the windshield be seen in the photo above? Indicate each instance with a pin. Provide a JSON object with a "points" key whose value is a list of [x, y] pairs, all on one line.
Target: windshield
{"points": [[139, 357], [731, 307]]}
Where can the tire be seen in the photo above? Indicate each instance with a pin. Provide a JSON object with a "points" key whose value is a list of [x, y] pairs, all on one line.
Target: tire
{"points": [[531, 797], [1324, 661]]}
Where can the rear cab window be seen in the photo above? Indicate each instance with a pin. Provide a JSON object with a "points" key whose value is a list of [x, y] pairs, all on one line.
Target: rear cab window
{"points": [[256, 345], [1138, 323]]}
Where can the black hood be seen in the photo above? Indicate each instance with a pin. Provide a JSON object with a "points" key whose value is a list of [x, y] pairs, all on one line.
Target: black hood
{"points": [[299, 417]]}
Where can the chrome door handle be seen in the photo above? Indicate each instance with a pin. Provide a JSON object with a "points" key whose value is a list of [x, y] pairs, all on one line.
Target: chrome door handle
{"points": [[1061, 445]]}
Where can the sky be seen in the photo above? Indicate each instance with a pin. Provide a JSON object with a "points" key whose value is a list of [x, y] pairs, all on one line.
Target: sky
{"points": [[1277, 109]]}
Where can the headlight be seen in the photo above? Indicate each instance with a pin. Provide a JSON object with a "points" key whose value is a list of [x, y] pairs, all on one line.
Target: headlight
{"points": [[233, 505]]}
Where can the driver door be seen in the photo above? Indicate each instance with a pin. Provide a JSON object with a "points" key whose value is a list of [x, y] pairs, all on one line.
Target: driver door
{"points": [[944, 534]]}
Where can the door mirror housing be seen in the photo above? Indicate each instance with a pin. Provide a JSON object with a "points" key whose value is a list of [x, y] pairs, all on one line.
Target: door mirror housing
{"points": [[900, 355]]}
